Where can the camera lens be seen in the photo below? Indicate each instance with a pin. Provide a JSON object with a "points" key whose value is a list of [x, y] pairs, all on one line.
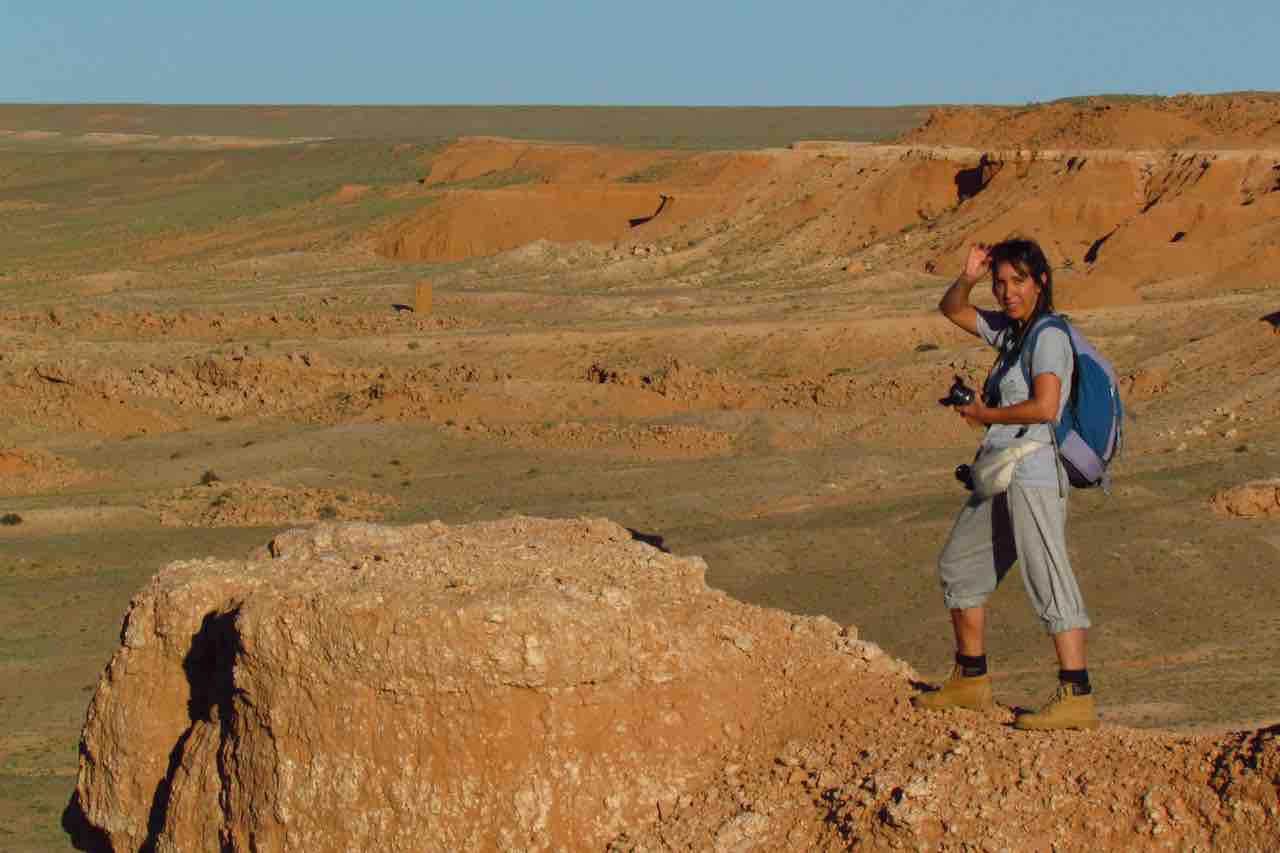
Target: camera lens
{"points": [[958, 394], [965, 475]]}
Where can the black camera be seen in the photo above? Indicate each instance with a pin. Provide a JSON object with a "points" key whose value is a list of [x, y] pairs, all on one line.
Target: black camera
{"points": [[959, 394], [965, 475]]}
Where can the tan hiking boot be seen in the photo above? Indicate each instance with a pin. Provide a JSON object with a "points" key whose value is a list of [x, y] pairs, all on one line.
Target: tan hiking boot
{"points": [[1066, 710], [958, 692]]}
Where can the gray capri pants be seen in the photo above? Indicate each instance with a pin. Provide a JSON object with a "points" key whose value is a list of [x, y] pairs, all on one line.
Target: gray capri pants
{"points": [[1027, 522]]}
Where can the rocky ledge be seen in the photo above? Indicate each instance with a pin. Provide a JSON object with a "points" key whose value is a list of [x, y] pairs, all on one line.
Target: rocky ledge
{"points": [[532, 684]]}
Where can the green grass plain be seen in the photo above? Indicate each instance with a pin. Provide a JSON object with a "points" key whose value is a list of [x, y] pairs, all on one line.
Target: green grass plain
{"points": [[92, 204], [699, 128]]}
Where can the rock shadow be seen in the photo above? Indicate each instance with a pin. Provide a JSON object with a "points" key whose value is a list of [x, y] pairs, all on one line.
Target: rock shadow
{"points": [[641, 220], [209, 667], [1240, 752], [1091, 256], [651, 539], [83, 834], [970, 182]]}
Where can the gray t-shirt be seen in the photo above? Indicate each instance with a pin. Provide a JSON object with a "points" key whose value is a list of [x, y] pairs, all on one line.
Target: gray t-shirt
{"points": [[1052, 355]]}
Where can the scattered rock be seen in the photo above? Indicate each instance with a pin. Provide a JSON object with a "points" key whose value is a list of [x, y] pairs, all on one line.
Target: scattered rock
{"points": [[24, 471], [248, 503], [1258, 499]]}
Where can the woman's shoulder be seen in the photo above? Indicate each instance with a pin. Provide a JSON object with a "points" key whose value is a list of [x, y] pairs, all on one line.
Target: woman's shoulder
{"points": [[1052, 350], [993, 326], [1053, 333], [1051, 323]]}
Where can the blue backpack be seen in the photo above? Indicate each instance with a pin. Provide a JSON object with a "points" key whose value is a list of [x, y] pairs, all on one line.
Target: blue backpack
{"points": [[1091, 431]]}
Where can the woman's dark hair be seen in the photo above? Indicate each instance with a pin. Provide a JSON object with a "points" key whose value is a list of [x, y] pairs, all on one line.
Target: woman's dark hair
{"points": [[1028, 258]]}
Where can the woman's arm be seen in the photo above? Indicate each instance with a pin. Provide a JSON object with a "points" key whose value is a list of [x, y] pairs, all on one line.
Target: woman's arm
{"points": [[1041, 408], [955, 304]]}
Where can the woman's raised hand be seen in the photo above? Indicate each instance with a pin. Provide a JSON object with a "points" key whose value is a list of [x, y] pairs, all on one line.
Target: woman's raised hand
{"points": [[955, 304], [977, 264]]}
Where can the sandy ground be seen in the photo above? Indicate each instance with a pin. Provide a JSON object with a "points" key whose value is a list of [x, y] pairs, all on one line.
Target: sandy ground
{"points": [[751, 376]]}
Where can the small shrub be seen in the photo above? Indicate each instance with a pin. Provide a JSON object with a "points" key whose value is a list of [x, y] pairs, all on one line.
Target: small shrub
{"points": [[222, 419], [327, 512], [208, 478], [654, 172], [926, 347], [414, 344], [9, 519]]}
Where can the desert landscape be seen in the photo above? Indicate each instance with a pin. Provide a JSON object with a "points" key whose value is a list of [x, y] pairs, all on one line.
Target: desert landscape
{"points": [[368, 367]]}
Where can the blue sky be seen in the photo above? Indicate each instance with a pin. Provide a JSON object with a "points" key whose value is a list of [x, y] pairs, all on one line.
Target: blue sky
{"points": [[659, 52]]}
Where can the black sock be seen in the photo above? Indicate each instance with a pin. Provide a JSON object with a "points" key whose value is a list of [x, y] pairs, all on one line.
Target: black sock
{"points": [[1078, 679], [972, 666]]}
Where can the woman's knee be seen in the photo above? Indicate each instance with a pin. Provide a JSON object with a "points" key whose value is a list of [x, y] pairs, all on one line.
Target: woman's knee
{"points": [[1060, 624], [964, 584]]}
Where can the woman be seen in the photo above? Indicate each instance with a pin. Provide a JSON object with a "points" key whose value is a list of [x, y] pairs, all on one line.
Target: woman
{"points": [[1029, 520]]}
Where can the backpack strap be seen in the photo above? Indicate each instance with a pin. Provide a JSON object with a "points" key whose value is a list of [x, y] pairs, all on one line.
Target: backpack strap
{"points": [[1051, 321], [1048, 321], [991, 385]]}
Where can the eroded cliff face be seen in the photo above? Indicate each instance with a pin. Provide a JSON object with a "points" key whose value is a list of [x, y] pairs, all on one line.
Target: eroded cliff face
{"points": [[523, 684], [1114, 221]]}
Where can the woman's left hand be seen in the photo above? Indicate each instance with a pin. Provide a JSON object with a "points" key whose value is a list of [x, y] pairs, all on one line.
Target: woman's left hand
{"points": [[974, 411]]}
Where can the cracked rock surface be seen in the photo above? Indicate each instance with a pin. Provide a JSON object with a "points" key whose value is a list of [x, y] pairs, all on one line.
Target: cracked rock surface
{"points": [[534, 684]]}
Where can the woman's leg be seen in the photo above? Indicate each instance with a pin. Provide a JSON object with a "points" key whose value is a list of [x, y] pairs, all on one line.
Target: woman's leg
{"points": [[1039, 527], [1070, 646], [977, 556], [970, 626]]}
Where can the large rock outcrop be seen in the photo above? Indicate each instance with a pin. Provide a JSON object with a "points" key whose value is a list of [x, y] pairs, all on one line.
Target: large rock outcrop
{"points": [[524, 684], [530, 684]]}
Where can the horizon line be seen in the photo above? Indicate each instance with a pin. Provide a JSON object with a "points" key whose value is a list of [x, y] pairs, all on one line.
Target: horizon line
{"points": [[556, 105]]}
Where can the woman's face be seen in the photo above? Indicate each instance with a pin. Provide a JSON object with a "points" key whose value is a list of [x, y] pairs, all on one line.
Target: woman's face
{"points": [[1015, 291]]}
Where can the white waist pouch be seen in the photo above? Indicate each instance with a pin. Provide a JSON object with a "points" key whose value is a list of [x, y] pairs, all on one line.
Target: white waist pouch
{"points": [[993, 469]]}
